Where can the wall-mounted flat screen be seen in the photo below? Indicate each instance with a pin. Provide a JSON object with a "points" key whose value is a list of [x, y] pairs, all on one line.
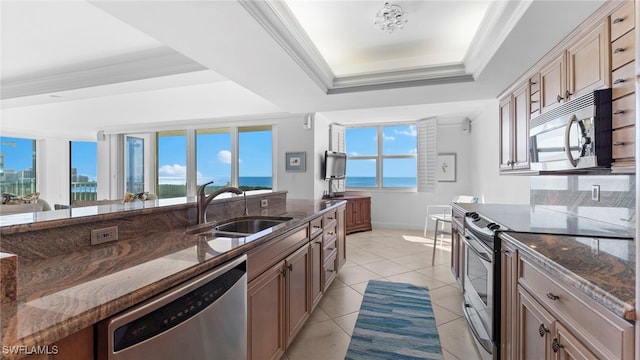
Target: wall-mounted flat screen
{"points": [[335, 165]]}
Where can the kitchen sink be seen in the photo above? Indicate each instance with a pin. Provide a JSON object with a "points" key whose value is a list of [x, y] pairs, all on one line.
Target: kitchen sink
{"points": [[238, 227]]}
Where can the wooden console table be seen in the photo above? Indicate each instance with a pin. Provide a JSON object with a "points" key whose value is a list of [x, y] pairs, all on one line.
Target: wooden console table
{"points": [[358, 212]]}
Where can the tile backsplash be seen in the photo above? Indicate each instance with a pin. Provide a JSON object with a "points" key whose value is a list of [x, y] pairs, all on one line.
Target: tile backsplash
{"points": [[573, 194]]}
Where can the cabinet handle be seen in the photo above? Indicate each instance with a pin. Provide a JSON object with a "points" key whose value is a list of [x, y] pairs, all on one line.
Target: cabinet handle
{"points": [[618, 20], [534, 101], [329, 270], [533, 83], [290, 267], [567, 94], [542, 330], [618, 112], [318, 241], [559, 98], [619, 81], [619, 50], [505, 252], [618, 143], [552, 296], [555, 345]]}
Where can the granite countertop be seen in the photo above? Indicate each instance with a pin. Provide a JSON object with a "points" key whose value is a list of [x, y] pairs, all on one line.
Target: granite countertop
{"points": [[596, 257], [61, 295], [601, 268]]}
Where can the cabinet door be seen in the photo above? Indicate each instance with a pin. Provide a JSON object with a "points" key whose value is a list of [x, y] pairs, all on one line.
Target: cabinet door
{"points": [[533, 328], [266, 305], [316, 264], [297, 308], [567, 347], [341, 240], [505, 134], [552, 84], [520, 132], [455, 249], [508, 300], [350, 215], [588, 63]]}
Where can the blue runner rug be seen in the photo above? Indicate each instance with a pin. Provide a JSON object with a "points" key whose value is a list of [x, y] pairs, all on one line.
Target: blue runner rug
{"points": [[395, 322]]}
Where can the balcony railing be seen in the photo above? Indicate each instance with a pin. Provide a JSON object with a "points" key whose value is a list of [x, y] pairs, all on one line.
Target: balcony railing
{"points": [[84, 190]]}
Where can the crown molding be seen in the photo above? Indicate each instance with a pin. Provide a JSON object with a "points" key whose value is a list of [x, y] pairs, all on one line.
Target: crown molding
{"points": [[278, 20], [144, 64], [433, 75], [498, 22]]}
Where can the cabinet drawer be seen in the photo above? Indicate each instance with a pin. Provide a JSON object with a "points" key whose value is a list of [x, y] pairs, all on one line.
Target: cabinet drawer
{"points": [[624, 142], [264, 256], [607, 334], [330, 231], [329, 269], [623, 50], [623, 80], [316, 227], [328, 218], [622, 20], [624, 111]]}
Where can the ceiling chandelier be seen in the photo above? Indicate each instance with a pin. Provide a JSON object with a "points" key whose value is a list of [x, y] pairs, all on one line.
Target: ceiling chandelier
{"points": [[391, 17]]}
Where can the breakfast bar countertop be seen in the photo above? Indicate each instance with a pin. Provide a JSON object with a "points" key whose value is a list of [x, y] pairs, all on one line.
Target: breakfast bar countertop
{"points": [[60, 295]]}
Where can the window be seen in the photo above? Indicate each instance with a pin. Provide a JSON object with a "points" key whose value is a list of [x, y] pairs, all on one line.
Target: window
{"points": [[172, 164], [255, 153], [84, 162], [213, 158], [17, 166], [134, 164], [381, 156]]}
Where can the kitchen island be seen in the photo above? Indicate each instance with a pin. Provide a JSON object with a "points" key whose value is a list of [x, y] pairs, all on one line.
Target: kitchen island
{"points": [[63, 287]]}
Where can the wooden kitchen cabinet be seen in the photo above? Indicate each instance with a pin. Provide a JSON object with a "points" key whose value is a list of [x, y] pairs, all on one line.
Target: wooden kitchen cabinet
{"points": [[588, 63], [534, 324], [297, 304], [508, 300], [266, 315], [357, 213], [341, 238], [514, 130], [315, 271], [552, 84], [457, 246], [574, 324]]}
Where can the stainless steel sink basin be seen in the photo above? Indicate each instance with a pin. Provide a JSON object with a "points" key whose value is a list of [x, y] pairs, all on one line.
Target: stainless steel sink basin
{"points": [[249, 226], [238, 227]]}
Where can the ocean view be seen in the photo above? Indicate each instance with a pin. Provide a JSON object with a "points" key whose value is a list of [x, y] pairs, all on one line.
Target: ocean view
{"points": [[370, 181]]}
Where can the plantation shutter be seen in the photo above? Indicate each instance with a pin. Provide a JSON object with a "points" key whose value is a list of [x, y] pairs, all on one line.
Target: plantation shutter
{"points": [[427, 154], [337, 143]]}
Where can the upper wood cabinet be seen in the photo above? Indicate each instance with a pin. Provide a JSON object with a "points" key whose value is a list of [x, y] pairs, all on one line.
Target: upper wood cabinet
{"points": [[588, 63], [514, 130], [552, 84]]}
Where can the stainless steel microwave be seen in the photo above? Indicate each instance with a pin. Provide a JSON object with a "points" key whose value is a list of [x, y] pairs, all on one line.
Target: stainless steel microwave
{"points": [[574, 136]]}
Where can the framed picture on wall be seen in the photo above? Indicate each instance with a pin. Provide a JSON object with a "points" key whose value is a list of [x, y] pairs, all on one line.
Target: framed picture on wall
{"points": [[446, 167], [296, 161]]}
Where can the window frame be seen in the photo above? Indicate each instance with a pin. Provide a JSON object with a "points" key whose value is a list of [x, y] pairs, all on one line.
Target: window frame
{"points": [[380, 157]]}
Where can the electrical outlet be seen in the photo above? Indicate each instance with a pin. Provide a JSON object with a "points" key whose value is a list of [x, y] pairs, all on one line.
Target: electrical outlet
{"points": [[101, 236], [264, 202], [595, 192]]}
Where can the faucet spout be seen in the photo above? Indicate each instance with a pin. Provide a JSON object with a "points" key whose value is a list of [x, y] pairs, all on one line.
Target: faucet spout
{"points": [[204, 199]]}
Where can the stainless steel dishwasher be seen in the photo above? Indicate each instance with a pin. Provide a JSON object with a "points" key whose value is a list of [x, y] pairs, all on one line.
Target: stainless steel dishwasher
{"points": [[204, 318]]}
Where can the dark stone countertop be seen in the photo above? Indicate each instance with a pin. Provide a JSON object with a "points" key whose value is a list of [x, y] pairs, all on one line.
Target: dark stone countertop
{"points": [[63, 294], [595, 257]]}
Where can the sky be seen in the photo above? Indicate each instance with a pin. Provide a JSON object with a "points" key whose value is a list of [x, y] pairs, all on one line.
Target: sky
{"points": [[397, 140]]}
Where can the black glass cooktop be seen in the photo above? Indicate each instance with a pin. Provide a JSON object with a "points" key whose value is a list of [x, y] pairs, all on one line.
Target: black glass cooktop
{"points": [[541, 219]]}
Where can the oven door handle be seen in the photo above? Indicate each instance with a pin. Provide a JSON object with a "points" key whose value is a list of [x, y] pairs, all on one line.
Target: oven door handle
{"points": [[567, 133], [482, 255]]}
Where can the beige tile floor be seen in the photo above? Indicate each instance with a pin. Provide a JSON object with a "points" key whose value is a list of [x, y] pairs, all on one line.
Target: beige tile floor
{"points": [[394, 255]]}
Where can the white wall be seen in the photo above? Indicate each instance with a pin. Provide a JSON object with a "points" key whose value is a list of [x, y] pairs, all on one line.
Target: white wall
{"points": [[487, 182], [52, 170]]}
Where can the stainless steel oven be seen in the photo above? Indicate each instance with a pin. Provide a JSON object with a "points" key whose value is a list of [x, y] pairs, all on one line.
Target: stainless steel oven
{"points": [[479, 293]]}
